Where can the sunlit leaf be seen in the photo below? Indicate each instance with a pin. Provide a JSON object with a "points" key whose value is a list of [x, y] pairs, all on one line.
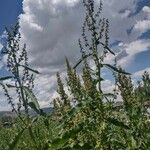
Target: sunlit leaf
{"points": [[60, 142], [32, 100]]}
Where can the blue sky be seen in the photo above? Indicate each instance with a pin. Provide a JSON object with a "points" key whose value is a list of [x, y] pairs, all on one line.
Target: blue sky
{"points": [[9, 12], [51, 29]]}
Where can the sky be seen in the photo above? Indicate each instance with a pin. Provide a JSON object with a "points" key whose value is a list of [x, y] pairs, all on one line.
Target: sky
{"points": [[9, 12], [51, 29]]}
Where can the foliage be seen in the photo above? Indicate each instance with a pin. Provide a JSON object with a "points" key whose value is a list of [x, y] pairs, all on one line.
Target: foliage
{"points": [[84, 116]]}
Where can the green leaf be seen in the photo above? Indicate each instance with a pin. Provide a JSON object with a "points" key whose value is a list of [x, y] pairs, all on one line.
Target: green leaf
{"points": [[46, 122], [85, 146], [13, 144], [35, 120], [133, 143], [28, 68], [61, 142], [33, 106], [116, 69], [32, 136], [117, 123], [32, 102], [6, 78]]}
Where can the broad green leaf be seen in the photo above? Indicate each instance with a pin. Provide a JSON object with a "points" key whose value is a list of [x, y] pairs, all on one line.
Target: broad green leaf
{"points": [[117, 123], [116, 69], [33, 106], [32, 101], [60, 142], [6, 78]]}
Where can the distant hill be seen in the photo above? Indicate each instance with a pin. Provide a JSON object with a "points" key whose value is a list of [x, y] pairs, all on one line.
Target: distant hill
{"points": [[7, 113], [31, 112]]}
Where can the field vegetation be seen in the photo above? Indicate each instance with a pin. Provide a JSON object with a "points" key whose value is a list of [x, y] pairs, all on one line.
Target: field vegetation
{"points": [[84, 117]]}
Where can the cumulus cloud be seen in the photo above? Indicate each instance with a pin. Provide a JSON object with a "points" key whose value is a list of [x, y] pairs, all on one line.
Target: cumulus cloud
{"points": [[140, 72], [125, 13], [1, 46], [51, 29], [131, 50], [108, 86], [4, 104], [146, 9], [143, 25], [138, 46], [128, 51], [1, 64]]}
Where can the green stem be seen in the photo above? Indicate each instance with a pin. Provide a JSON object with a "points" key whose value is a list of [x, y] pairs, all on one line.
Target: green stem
{"points": [[17, 75]]}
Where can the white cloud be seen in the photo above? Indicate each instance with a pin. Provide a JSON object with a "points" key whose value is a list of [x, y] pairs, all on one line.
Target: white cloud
{"points": [[140, 72], [138, 46], [142, 26], [69, 2], [132, 49], [1, 46], [51, 28], [4, 104], [108, 86], [1, 64], [146, 9], [126, 13]]}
